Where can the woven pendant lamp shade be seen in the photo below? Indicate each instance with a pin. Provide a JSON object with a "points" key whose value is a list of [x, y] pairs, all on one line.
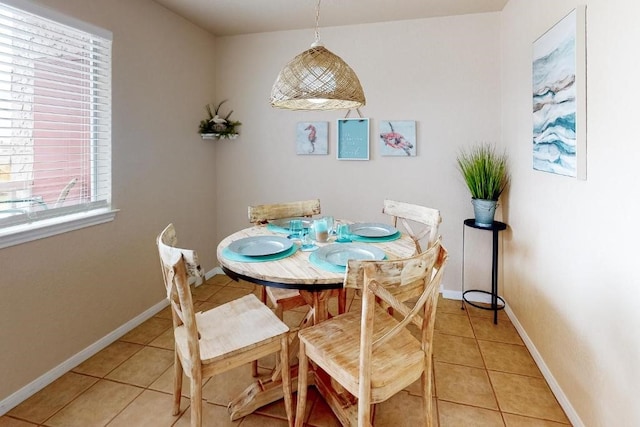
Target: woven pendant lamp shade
{"points": [[317, 80]]}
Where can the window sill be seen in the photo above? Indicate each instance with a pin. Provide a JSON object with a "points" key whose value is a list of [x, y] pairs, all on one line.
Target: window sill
{"points": [[11, 236]]}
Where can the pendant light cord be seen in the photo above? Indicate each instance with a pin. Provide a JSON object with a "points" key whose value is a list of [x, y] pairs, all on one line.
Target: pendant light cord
{"points": [[317, 42]]}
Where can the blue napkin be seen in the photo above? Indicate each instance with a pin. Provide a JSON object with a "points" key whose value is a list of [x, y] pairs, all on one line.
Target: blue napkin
{"points": [[232, 256]]}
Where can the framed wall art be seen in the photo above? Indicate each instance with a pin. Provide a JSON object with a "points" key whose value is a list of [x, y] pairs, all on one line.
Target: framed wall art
{"points": [[559, 97], [353, 139], [398, 138], [312, 138]]}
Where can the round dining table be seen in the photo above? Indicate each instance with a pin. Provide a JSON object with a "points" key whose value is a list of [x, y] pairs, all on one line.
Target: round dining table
{"points": [[294, 270]]}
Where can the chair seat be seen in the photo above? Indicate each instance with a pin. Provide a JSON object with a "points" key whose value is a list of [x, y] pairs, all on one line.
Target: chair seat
{"points": [[277, 294], [334, 346], [247, 322]]}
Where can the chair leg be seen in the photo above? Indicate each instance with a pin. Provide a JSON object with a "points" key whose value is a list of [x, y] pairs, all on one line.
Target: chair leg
{"points": [[196, 398], [303, 371], [263, 298], [177, 382], [425, 380], [286, 378]]}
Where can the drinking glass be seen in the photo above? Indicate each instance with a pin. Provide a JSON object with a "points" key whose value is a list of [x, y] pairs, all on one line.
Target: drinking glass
{"points": [[330, 225], [295, 228], [343, 233], [307, 239], [322, 231]]}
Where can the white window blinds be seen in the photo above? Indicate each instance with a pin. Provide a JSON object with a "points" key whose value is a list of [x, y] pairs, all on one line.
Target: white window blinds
{"points": [[55, 116]]}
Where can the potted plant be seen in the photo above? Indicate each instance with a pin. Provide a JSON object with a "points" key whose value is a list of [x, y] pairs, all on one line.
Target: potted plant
{"points": [[485, 173], [215, 126]]}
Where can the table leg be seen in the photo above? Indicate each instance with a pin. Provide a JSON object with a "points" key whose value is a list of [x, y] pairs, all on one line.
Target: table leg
{"points": [[265, 391]]}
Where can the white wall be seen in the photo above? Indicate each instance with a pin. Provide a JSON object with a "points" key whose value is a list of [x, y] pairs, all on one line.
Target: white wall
{"points": [[61, 294], [443, 73], [570, 258]]}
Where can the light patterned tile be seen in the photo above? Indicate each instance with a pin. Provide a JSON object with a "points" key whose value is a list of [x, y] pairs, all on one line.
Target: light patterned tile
{"points": [[453, 324], [512, 420], [465, 385], [52, 398], [456, 415], [458, 350], [164, 340], [227, 294], [6, 421], [149, 409], [521, 395], [212, 416], [508, 358], [148, 331], [164, 383], [485, 329], [221, 280], [144, 367], [105, 361], [450, 306], [204, 291], [95, 407], [405, 407]]}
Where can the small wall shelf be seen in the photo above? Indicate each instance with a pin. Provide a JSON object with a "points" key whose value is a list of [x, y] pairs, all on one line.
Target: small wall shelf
{"points": [[219, 135]]}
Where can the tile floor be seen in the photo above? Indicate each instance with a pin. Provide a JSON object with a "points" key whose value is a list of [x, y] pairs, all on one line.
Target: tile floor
{"points": [[484, 376]]}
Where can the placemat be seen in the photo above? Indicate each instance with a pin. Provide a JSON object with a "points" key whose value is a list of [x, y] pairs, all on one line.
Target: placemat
{"points": [[232, 256], [313, 259], [391, 238], [277, 228]]}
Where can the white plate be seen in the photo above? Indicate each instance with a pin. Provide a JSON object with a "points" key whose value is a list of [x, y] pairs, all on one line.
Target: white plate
{"points": [[369, 229], [340, 253], [284, 222], [260, 245]]}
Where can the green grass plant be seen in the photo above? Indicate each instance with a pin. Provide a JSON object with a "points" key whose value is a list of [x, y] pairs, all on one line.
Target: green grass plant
{"points": [[484, 171]]}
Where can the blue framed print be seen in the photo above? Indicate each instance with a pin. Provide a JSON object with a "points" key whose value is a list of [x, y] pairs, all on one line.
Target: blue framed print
{"points": [[353, 139]]}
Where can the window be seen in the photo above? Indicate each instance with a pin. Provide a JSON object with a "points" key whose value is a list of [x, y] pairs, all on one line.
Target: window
{"points": [[55, 121]]}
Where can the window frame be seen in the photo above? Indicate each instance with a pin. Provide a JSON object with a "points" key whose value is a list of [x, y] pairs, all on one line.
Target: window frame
{"points": [[14, 234]]}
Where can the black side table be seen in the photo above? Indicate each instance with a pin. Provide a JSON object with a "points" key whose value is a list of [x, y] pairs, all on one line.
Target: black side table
{"points": [[496, 228]]}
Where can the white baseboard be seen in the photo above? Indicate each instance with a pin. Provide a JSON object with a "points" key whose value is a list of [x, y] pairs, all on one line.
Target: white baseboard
{"points": [[44, 380], [544, 369], [546, 373], [216, 270]]}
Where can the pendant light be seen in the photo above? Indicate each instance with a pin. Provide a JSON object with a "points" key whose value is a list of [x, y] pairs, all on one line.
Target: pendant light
{"points": [[317, 80]]}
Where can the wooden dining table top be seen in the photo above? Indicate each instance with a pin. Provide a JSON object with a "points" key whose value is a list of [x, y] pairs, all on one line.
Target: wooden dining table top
{"points": [[296, 271]]}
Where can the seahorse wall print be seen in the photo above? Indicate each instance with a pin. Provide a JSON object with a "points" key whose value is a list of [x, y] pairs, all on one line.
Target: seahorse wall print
{"points": [[554, 99], [312, 138], [398, 138]]}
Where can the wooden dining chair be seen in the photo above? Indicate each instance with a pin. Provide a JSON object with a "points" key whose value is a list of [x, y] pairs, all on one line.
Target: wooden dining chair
{"points": [[283, 299], [217, 340], [408, 214], [373, 354]]}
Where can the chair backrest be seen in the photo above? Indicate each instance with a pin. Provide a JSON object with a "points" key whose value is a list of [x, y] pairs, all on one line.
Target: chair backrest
{"points": [[406, 212], [261, 214], [65, 192], [177, 265], [377, 281]]}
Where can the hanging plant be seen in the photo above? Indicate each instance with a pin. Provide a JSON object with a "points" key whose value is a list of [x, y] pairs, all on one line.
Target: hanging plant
{"points": [[217, 126]]}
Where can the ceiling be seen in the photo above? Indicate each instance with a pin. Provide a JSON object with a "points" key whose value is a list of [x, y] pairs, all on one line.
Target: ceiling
{"points": [[233, 17]]}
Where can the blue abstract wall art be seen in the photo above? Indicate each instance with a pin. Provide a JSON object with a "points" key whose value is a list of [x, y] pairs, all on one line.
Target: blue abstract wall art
{"points": [[555, 146]]}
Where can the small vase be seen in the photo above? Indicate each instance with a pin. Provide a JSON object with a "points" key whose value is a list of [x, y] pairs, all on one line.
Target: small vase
{"points": [[484, 211]]}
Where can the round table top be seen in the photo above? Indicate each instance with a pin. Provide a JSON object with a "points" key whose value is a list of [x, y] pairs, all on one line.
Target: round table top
{"points": [[296, 271]]}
